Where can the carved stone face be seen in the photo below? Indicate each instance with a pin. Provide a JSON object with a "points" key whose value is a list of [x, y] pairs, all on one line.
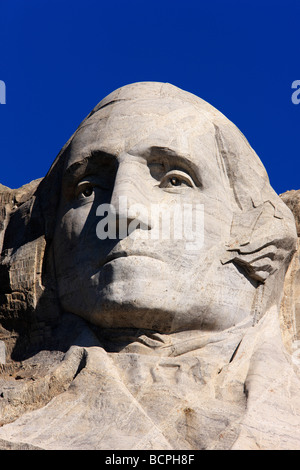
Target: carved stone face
{"points": [[153, 153]]}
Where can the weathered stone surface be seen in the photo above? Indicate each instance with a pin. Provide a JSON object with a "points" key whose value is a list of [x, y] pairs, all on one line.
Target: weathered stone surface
{"points": [[292, 200], [2, 352], [290, 307], [143, 342]]}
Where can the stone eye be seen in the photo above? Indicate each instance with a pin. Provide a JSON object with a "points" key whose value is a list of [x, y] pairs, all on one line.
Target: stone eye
{"points": [[85, 190], [175, 181], [176, 178]]}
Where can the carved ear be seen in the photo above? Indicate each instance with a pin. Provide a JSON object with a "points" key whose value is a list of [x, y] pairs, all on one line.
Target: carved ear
{"points": [[262, 240]]}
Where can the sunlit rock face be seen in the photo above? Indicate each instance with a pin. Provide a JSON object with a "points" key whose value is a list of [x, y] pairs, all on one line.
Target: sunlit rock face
{"points": [[149, 288]]}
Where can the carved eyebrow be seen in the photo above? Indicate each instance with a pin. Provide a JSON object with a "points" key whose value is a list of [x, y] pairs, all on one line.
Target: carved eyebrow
{"points": [[89, 164], [173, 161], [96, 159]]}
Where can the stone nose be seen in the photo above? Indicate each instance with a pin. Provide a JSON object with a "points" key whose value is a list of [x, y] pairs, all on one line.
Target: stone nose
{"points": [[131, 196]]}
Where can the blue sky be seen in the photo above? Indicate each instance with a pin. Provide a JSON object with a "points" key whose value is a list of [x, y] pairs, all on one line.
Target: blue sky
{"points": [[59, 58]]}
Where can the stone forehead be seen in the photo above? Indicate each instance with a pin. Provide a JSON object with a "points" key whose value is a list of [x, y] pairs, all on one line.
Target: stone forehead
{"points": [[148, 90], [148, 110], [146, 123], [142, 94], [154, 90], [124, 118], [131, 106]]}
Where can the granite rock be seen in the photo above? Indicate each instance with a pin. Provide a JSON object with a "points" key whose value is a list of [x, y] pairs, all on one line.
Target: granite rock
{"points": [[120, 334]]}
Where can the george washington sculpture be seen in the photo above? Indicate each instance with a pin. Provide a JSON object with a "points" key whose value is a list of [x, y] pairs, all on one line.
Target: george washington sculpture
{"points": [[137, 341]]}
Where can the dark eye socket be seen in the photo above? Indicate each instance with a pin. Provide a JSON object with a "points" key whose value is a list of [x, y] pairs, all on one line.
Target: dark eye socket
{"points": [[157, 170]]}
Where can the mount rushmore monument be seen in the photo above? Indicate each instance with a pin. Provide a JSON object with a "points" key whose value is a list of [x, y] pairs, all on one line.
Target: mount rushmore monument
{"points": [[149, 287]]}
